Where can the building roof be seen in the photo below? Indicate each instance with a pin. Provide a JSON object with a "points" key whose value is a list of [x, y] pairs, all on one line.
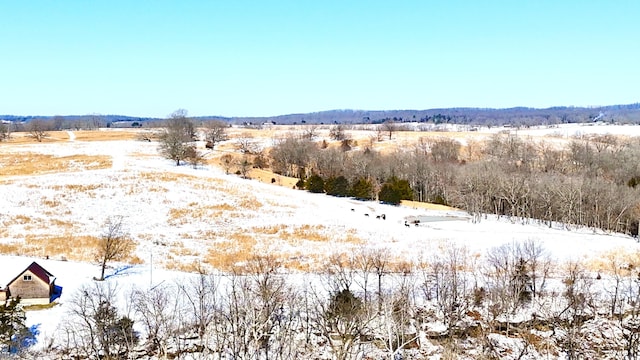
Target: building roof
{"points": [[38, 271]]}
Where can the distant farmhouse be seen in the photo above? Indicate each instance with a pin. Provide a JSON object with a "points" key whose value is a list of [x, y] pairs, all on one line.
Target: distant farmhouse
{"points": [[34, 285]]}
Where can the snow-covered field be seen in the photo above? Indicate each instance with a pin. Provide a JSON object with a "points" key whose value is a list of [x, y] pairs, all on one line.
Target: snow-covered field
{"points": [[178, 215]]}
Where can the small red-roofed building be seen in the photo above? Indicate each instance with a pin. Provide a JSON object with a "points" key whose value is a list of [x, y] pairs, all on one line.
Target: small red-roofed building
{"points": [[34, 285]]}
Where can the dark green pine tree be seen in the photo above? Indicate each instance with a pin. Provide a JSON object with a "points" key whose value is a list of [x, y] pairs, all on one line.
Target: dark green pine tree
{"points": [[315, 184], [395, 190], [115, 334], [12, 327], [337, 186], [362, 189]]}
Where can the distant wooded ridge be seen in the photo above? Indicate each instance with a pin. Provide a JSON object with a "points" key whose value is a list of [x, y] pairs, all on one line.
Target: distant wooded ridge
{"points": [[624, 114]]}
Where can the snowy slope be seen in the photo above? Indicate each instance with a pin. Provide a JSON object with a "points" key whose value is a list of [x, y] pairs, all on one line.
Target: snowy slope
{"points": [[152, 193]]}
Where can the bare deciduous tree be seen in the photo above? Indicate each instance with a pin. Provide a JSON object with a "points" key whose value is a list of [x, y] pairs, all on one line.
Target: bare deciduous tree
{"points": [[38, 129], [227, 162], [177, 137], [446, 279], [194, 156], [310, 132], [244, 165], [114, 243], [201, 296], [579, 305], [291, 156], [5, 131], [158, 312], [95, 329], [337, 132], [247, 144], [389, 126], [58, 122], [445, 150], [216, 131], [396, 317]]}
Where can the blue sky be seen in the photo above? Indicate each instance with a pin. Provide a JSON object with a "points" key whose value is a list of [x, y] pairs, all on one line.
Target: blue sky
{"points": [[262, 58]]}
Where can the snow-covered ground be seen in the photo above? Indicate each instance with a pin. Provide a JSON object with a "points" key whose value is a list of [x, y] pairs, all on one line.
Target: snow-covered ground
{"points": [[179, 214]]}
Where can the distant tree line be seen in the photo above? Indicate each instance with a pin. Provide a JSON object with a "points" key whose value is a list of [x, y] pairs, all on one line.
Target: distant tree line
{"points": [[517, 116]]}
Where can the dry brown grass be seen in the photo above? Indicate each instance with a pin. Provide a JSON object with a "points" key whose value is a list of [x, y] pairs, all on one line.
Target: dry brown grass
{"points": [[67, 225], [68, 246], [266, 176], [26, 138], [36, 307], [237, 249], [422, 205], [134, 260], [106, 135], [268, 230], [301, 263], [615, 261], [12, 248], [78, 188], [223, 207], [249, 203], [33, 164], [22, 219], [26, 222], [166, 177], [190, 267], [296, 235], [180, 250], [50, 203], [197, 212]]}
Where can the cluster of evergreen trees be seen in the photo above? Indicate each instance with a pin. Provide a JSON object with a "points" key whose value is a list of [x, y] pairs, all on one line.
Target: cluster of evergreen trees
{"points": [[392, 191]]}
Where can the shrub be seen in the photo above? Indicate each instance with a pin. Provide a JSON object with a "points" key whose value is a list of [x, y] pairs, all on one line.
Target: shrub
{"points": [[12, 326], [337, 186], [395, 190], [315, 184], [362, 189]]}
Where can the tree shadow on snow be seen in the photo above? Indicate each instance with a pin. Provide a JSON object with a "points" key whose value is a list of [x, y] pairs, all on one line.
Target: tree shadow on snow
{"points": [[123, 271]]}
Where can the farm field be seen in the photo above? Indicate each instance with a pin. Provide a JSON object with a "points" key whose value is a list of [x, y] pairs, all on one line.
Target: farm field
{"points": [[55, 197]]}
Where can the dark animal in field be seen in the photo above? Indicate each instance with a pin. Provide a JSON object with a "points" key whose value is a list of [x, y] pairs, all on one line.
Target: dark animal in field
{"points": [[209, 145], [366, 214]]}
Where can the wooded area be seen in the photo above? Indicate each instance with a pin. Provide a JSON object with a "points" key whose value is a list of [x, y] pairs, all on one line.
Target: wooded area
{"points": [[588, 181]]}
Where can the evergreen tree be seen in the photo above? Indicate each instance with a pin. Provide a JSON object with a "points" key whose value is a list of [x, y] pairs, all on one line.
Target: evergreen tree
{"points": [[522, 282], [115, 334], [344, 305], [12, 327], [395, 190], [337, 186], [362, 189], [315, 184]]}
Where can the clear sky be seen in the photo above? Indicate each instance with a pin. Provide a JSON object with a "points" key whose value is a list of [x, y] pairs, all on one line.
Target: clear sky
{"points": [[261, 58]]}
